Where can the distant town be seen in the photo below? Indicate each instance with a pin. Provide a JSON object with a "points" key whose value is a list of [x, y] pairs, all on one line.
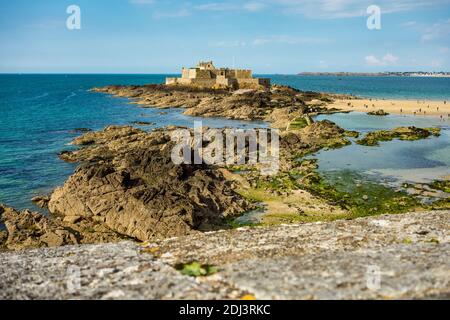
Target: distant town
{"points": [[379, 74]]}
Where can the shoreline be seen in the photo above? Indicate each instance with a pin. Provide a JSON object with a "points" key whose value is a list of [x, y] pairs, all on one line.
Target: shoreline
{"points": [[392, 106], [110, 160]]}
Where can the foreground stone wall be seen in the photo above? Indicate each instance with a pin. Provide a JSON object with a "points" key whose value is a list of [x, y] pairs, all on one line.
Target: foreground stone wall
{"points": [[409, 252]]}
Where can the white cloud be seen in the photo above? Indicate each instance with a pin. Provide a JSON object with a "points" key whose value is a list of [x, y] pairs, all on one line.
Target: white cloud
{"points": [[173, 14], [436, 63], [331, 9], [373, 61], [229, 44], [254, 6], [326, 9], [386, 60], [216, 6], [284, 39], [439, 30], [277, 39], [409, 24], [142, 2], [389, 58]]}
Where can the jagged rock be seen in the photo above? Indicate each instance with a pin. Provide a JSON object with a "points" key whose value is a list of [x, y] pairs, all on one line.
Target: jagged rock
{"points": [[143, 123], [28, 229], [241, 105], [312, 138], [402, 133], [81, 130], [127, 182], [41, 201], [72, 219]]}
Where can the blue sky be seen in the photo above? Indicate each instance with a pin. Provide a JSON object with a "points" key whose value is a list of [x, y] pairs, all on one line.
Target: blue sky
{"points": [[269, 36]]}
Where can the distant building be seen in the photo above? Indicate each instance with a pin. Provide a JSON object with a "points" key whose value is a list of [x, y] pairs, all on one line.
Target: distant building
{"points": [[205, 74]]}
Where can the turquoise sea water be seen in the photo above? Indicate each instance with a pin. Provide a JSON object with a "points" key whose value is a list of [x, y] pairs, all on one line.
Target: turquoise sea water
{"points": [[414, 88], [39, 113]]}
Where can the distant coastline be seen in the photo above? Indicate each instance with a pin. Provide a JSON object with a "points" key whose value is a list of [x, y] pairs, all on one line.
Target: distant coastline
{"points": [[379, 74]]}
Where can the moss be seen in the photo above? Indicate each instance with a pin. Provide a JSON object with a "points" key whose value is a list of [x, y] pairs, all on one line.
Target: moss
{"points": [[233, 224], [441, 204], [401, 133], [3, 238], [326, 99], [280, 183], [442, 185], [380, 112], [257, 195], [362, 198], [298, 123], [407, 241], [240, 168], [86, 142], [336, 143], [281, 218], [351, 134], [196, 269]]}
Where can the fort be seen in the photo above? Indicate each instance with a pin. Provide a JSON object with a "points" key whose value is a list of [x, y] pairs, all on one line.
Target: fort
{"points": [[205, 74]]}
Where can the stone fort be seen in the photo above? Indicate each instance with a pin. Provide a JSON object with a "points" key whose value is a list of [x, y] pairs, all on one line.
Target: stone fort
{"points": [[205, 74]]}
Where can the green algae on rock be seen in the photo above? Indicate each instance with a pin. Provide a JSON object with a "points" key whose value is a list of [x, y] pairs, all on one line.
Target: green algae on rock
{"points": [[401, 133], [358, 195], [380, 112], [442, 185], [196, 269]]}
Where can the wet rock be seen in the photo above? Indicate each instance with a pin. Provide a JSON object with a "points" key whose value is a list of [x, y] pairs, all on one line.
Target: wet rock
{"points": [[143, 123], [41, 201], [81, 130], [401, 133], [380, 112], [312, 138], [241, 105]]}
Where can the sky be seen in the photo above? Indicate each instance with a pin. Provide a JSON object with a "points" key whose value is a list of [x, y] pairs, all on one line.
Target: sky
{"points": [[268, 36]]}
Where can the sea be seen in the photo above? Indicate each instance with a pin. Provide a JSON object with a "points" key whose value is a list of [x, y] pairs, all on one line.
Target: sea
{"points": [[40, 114]]}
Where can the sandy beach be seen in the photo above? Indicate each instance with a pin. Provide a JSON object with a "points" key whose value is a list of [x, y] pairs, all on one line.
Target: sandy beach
{"points": [[411, 107]]}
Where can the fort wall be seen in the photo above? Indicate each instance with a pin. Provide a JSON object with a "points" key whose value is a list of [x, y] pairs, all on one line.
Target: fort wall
{"points": [[205, 74]]}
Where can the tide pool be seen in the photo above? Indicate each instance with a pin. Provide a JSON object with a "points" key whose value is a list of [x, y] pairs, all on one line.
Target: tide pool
{"points": [[393, 162]]}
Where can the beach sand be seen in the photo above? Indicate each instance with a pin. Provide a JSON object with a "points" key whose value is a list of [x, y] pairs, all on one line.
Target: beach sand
{"points": [[411, 107]]}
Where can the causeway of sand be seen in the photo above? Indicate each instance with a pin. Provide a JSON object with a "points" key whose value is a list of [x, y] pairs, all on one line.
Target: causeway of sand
{"points": [[410, 107]]}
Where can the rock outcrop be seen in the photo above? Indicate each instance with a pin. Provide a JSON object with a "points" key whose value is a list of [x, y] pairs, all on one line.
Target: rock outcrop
{"points": [[379, 112], [268, 105], [28, 229], [127, 182], [402, 133], [312, 138], [127, 186]]}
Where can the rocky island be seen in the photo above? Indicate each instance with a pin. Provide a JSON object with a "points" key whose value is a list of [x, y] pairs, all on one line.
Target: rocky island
{"points": [[126, 187]]}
